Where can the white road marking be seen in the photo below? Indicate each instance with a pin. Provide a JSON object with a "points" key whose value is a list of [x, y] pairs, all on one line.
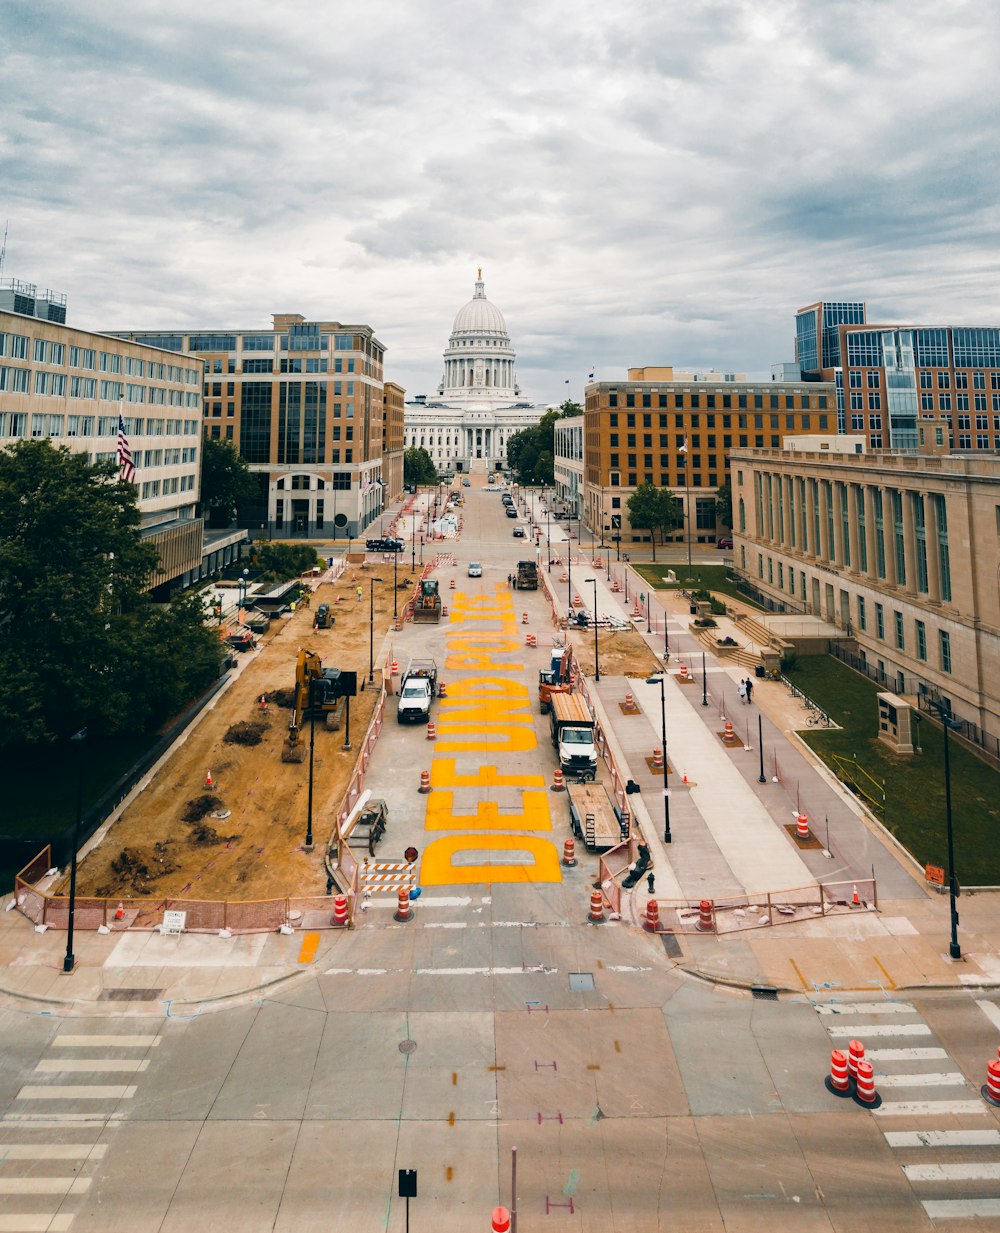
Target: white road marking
{"points": [[52, 1151], [82, 1092], [879, 1029], [864, 1008], [446, 924], [55, 1065], [990, 1010], [949, 1078], [56, 1121], [945, 1209], [905, 1055], [44, 1185], [484, 971], [35, 1223], [952, 1172], [942, 1138], [129, 1042], [935, 1108]]}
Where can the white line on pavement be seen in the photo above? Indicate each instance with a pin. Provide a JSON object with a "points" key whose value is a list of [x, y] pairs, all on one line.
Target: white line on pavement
{"points": [[952, 1172], [942, 1138], [55, 1065], [130, 1042], [944, 1209], [905, 1055], [34, 1223], [52, 1151], [990, 1010], [44, 1185], [936, 1108], [864, 1008], [56, 1121], [73, 1092], [879, 1029], [950, 1078], [484, 971]]}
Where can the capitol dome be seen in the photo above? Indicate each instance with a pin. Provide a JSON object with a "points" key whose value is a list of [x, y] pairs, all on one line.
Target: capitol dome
{"points": [[479, 359]]}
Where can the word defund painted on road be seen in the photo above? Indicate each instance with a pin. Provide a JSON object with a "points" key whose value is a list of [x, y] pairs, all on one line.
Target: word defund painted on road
{"points": [[488, 713]]}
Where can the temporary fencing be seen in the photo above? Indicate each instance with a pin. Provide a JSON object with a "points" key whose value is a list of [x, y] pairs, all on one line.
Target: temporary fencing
{"points": [[779, 907]]}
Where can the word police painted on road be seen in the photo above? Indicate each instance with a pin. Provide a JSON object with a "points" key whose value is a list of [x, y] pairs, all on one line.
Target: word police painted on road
{"points": [[488, 714]]}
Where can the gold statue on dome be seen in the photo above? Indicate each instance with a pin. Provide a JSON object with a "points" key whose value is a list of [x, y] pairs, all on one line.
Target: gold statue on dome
{"points": [[479, 271]]}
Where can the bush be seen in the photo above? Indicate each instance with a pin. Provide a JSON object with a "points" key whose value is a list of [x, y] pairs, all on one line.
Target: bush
{"points": [[283, 561], [704, 623], [789, 662]]}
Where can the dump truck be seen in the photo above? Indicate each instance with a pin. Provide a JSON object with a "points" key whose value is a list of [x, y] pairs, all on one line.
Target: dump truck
{"points": [[573, 737], [595, 818], [324, 617], [427, 608], [527, 576], [418, 688], [554, 679], [318, 693]]}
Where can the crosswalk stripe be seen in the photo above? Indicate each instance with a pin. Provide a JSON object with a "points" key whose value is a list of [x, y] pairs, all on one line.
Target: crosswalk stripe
{"points": [[990, 1010], [952, 1172], [34, 1223], [124, 1042], [864, 1008], [905, 1055], [74, 1092], [935, 1108], [44, 1185], [942, 1138], [878, 1029], [56, 1121], [941, 1079], [945, 1209], [55, 1065], [52, 1151]]}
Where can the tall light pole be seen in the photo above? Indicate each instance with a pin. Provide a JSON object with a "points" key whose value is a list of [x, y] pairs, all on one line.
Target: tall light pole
{"points": [[69, 960], [395, 590], [652, 680], [597, 662], [949, 723], [371, 628], [242, 584], [312, 750], [548, 536]]}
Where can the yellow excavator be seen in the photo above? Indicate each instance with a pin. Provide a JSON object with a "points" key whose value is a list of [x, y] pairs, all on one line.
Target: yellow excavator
{"points": [[428, 606], [315, 687]]}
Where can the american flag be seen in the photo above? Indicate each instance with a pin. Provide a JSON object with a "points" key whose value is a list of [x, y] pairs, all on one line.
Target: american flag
{"points": [[125, 464]]}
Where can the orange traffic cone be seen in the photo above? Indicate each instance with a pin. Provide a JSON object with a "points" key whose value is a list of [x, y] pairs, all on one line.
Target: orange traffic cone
{"points": [[120, 911], [208, 780]]}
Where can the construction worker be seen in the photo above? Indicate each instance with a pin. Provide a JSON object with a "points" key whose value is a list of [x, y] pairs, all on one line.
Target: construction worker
{"points": [[360, 593]]}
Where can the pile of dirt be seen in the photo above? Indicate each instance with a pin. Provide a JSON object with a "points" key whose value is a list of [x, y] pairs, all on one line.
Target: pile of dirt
{"points": [[621, 652], [197, 808], [136, 870], [245, 733]]}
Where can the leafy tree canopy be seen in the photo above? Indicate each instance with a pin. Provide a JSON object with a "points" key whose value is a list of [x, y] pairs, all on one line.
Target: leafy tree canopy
{"points": [[724, 505], [82, 644], [531, 451], [283, 561], [418, 468], [654, 509], [226, 480]]}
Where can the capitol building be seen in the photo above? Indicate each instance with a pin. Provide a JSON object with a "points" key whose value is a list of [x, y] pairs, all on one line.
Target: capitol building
{"points": [[478, 405]]}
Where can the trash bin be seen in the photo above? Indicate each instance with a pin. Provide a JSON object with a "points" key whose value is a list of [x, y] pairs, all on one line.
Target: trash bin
{"points": [[759, 671], [694, 610]]}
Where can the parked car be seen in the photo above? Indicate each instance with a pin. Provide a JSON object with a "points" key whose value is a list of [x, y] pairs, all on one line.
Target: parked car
{"points": [[466, 483], [475, 569], [510, 511], [384, 545], [519, 532], [724, 541]]}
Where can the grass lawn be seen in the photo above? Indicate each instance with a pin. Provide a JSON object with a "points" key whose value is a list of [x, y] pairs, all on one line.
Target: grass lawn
{"points": [[711, 577], [915, 804]]}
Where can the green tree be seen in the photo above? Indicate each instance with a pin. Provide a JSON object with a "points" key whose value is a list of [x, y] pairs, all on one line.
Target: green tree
{"points": [[226, 480], [654, 509], [283, 561], [82, 644], [531, 452], [418, 468], [724, 506]]}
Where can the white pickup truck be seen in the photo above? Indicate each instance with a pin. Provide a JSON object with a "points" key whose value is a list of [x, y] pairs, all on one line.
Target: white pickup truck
{"points": [[416, 692]]}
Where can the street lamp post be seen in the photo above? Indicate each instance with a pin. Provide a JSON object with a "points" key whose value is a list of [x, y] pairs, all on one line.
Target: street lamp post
{"points": [[371, 628], [950, 724], [704, 682], [761, 777], [69, 960], [312, 751], [597, 662], [242, 583], [652, 680], [548, 536], [395, 590], [413, 540]]}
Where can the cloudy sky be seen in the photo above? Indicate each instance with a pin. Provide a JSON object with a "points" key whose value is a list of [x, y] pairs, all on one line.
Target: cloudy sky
{"points": [[643, 182]]}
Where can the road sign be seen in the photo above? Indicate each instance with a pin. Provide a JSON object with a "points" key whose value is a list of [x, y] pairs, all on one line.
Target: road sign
{"points": [[934, 874], [407, 1183], [411, 854]]}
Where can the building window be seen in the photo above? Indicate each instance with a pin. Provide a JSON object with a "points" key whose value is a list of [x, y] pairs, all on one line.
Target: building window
{"points": [[945, 638], [862, 613], [879, 621], [921, 630], [900, 638]]}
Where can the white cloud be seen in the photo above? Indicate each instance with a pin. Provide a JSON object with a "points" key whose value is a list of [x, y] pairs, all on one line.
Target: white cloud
{"points": [[650, 183]]}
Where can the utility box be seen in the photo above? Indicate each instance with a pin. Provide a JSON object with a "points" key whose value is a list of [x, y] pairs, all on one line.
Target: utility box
{"points": [[895, 723]]}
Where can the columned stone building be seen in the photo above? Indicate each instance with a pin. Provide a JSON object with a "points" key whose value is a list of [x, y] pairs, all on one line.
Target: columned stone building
{"points": [[478, 406], [899, 550]]}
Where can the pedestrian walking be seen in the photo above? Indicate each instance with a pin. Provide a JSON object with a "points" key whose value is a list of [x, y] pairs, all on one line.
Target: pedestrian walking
{"points": [[749, 690], [741, 689]]}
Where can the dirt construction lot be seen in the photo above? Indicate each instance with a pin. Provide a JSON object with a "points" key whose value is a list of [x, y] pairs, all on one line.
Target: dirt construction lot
{"points": [[256, 852]]}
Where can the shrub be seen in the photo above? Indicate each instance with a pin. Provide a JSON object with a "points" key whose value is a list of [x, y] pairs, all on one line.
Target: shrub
{"points": [[789, 662]]}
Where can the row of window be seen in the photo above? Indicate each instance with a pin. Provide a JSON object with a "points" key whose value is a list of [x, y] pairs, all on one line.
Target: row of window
{"points": [[55, 385], [16, 424], [775, 402], [47, 351], [166, 487]]}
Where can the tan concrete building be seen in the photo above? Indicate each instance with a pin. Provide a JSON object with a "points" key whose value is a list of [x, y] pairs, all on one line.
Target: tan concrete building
{"points": [[901, 551], [303, 401], [567, 459], [393, 438], [70, 385], [677, 433]]}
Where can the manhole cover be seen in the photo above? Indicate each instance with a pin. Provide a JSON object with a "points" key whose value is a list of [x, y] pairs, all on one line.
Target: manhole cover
{"points": [[222, 814], [581, 982], [407, 1046]]}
